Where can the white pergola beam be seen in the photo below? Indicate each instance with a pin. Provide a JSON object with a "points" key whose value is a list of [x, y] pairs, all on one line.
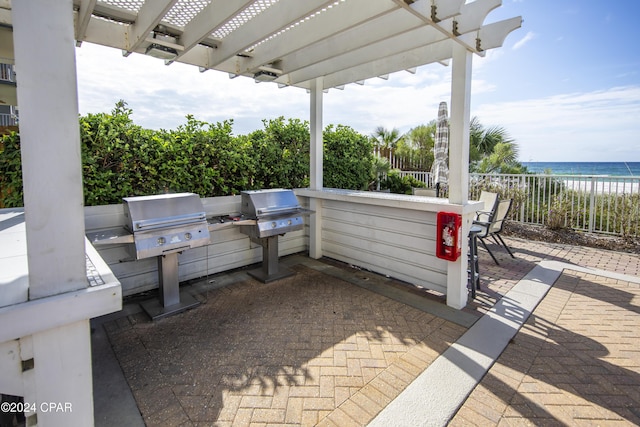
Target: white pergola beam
{"points": [[493, 35], [332, 21], [107, 33], [392, 63], [364, 35], [209, 19], [474, 15], [274, 19], [149, 16], [444, 8], [384, 48], [84, 16], [374, 34]]}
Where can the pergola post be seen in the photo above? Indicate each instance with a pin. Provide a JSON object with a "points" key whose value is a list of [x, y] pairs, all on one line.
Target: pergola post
{"points": [[459, 166], [60, 358], [50, 146], [315, 160]]}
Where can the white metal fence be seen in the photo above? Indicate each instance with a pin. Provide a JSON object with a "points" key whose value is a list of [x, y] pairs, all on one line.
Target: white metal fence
{"points": [[598, 204], [8, 119], [416, 163]]}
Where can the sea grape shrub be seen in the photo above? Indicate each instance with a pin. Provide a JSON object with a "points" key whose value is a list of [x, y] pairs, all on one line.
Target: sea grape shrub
{"points": [[560, 212], [121, 159], [281, 153], [400, 184], [11, 194], [348, 158]]}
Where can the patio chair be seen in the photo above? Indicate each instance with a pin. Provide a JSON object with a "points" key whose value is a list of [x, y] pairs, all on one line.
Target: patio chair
{"points": [[490, 201], [494, 226]]}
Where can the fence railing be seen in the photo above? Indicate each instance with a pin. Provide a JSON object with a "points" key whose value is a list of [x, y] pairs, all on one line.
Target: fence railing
{"points": [[7, 73], [8, 119], [401, 162], [426, 177], [597, 204]]}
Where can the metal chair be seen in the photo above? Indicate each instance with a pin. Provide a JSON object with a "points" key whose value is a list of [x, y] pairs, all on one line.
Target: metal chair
{"points": [[494, 226], [473, 270], [490, 201]]}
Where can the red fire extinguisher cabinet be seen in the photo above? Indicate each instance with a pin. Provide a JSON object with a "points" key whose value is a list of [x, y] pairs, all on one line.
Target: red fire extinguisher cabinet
{"points": [[448, 236]]}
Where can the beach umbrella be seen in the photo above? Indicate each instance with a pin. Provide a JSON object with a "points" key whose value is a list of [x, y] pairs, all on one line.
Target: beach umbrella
{"points": [[440, 168]]}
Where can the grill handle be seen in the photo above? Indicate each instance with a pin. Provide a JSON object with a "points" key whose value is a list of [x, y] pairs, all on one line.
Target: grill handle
{"points": [[269, 211], [148, 224]]}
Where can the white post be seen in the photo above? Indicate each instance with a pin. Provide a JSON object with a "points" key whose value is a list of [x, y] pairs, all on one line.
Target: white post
{"points": [[315, 220], [459, 166], [316, 133], [58, 378], [50, 145], [60, 384]]}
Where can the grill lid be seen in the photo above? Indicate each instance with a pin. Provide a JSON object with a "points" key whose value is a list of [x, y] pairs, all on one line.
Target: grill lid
{"points": [[270, 202], [276, 212], [162, 211], [166, 223]]}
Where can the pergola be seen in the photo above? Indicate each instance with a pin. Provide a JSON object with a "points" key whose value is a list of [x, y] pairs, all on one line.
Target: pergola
{"points": [[312, 44]]}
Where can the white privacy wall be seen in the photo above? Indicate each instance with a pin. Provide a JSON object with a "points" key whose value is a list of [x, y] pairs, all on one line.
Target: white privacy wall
{"points": [[391, 241], [228, 249], [389, 234]]}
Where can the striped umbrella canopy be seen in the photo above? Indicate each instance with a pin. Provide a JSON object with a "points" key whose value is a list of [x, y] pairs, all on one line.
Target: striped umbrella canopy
{"points": [[440, 167]]}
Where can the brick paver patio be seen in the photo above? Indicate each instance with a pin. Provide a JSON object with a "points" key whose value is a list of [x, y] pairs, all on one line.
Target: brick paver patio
{"points": [[295, 351], [575, 362], [317, 350]]}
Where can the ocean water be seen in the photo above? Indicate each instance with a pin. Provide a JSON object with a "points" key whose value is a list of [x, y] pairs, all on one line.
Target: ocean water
{"points": [[585, 168]]}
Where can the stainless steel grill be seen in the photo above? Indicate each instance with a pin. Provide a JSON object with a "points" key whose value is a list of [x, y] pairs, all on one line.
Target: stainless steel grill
{"points": [[276, 212], [166, 223], [163, 226]]}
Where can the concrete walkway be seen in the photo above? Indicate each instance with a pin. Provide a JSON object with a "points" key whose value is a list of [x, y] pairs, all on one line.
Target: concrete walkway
{"points": [[317, 350]]}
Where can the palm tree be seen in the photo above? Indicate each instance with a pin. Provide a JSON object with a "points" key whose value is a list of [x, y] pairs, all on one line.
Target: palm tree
{"points": [[379, 167], [483, 140], [503, 159], [492, 149], [386, 140]]}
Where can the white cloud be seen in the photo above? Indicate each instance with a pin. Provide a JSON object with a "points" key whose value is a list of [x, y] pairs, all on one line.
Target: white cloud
{"points": [[160, 96], [600, 125], [526, 39]]}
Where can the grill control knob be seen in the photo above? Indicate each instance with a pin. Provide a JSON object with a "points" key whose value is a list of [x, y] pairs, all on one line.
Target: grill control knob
{"points": [[161, 240], [289, 222], [187, 236], [274, 224]]}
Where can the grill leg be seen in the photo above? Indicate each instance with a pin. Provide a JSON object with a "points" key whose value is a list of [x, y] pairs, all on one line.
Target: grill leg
{"points": [[168, 277], [270, 270], [270, 256], [169, 302]]}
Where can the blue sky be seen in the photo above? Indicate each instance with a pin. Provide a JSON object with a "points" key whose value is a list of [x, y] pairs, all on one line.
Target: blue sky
{"points": [[566, 86]]}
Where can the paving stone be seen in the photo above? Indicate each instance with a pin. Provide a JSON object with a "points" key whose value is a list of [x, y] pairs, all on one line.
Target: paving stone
{"points": [[256, 354], [578, 377]]}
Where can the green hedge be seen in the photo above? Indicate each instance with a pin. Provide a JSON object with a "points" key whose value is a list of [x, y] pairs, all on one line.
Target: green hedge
{"points": [[348, 158], [120, 158]]}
